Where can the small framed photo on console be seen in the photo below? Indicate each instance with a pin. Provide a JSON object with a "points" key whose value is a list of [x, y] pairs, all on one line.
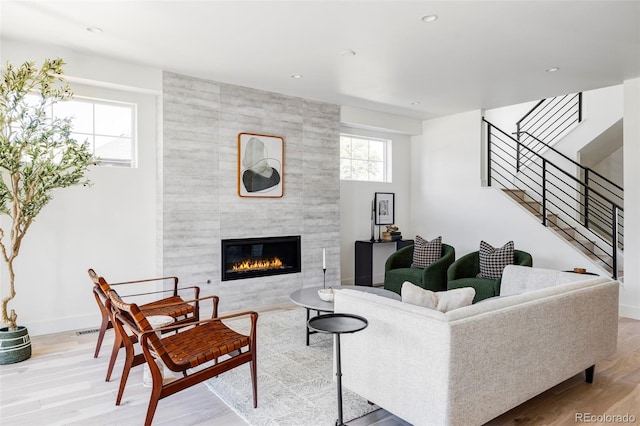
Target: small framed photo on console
{"points": [[385, 208]]}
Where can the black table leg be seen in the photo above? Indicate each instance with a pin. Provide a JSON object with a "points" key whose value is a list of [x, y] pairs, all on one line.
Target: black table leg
{"points": [[306, 327], [309, 331], [337, 324], [339, 422]]}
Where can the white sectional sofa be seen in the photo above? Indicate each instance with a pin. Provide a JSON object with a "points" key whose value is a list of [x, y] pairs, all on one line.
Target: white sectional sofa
{"points": [[469, 365]]}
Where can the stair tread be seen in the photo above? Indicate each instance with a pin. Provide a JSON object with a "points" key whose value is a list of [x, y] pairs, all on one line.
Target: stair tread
{"points": [[585, 246]]}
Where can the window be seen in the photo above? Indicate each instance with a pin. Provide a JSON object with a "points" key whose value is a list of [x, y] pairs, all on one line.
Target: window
{"points": [[364, 158], [107, 126]]}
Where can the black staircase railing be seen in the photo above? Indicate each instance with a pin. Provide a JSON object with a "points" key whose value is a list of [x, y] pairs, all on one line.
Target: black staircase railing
{"points": [[543, 125], [592, 181], [567, 200], [548, 121]]}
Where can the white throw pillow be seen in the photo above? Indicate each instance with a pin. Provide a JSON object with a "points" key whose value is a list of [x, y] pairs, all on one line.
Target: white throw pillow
{"points": [[415, 295], [442, 301]]}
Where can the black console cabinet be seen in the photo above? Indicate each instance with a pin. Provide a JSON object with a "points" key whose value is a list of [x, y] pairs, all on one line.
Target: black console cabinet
{"points": [[364, 259]]}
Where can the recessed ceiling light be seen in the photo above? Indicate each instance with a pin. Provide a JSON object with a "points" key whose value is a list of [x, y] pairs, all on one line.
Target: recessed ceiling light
{"points": [[348, 52], [296, 76], [429, 18], [552, 69], [416, 103], [94, 29]]}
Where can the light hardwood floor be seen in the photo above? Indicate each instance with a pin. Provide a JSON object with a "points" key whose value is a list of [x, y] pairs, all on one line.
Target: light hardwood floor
{"points": [[62, 384]]}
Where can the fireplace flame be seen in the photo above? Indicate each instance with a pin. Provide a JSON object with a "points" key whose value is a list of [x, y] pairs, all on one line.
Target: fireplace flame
{"points": [[255, 265]]}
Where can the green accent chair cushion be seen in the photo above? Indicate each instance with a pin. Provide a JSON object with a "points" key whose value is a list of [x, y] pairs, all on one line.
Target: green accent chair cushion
{"points": [[433, 277], [484, 287], [463, 273]]}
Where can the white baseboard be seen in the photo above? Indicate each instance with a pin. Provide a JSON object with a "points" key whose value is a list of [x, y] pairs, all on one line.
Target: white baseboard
{"points": [[60, 325], [627, 311]]}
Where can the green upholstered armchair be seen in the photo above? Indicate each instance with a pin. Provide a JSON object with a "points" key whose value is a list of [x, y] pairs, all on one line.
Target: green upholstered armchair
{"points": [[463, 273], [398, 269]]}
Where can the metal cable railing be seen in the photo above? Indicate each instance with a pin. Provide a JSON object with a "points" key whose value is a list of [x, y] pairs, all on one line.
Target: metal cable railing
{"points": [[561, 199], [541, 127], [594, 187], [549, 120]]}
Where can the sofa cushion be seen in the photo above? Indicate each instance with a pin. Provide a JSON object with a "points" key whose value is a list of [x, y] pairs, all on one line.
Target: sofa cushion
{"points": [[493, 260], [426, 252], [442, 301]]}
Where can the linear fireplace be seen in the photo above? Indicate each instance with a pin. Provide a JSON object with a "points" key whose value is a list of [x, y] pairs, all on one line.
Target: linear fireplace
{"points": [[259, 257]]}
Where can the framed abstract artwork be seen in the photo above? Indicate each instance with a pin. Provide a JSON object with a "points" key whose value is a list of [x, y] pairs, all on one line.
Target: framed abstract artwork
{"points": [[385, 208], [260, 165]]}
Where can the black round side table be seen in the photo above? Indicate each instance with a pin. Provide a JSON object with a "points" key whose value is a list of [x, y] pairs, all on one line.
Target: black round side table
{"points": [[338, 324]]}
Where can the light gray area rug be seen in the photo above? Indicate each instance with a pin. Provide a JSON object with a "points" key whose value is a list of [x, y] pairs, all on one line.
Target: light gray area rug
{"points": [[296, 383]]}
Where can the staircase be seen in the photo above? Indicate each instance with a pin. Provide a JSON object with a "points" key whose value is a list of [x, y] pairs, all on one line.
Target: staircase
{"points": [[565, 230], [575, 202]]}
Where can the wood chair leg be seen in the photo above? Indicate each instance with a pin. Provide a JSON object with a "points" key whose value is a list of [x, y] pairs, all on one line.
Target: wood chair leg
{"points": [[117, 344], [106, 324], [156, 390], [254, 380], [128, 362]]}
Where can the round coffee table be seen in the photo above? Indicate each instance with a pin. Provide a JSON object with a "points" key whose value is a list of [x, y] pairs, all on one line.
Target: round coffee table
{"points": [[308, 298]]}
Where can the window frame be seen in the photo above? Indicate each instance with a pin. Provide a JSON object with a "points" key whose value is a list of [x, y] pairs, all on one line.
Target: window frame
{"points": [[132, 162], [115, 162], [386, 157]]}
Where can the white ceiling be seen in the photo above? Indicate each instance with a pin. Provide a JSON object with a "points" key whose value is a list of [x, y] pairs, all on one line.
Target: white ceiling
{"points": [[478, 54]]}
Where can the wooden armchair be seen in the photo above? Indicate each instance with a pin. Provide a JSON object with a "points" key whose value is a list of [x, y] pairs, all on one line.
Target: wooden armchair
{"points": [[173, 306], [198, 347]]}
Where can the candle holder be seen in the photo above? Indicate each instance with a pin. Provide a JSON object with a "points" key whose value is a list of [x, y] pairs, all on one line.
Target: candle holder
{"points": [[373, 238], [373, 210], [324, 277]]}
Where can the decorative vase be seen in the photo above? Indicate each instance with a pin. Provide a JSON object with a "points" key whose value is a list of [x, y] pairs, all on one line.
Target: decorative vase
{"points": [[15, 345]]}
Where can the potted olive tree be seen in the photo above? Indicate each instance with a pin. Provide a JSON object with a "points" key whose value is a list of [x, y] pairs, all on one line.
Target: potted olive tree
{"points": [[37, 156]]}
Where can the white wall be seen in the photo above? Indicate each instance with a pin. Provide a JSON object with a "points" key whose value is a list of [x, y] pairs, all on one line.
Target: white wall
{"points": [[612, 167], [109, 226], [355, 196], [506, 117], [448, 199], [630, 291], [601, 109]]}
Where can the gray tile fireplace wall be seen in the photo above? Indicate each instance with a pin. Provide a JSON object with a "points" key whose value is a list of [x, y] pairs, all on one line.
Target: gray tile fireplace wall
{"points": [[199, 204]]}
